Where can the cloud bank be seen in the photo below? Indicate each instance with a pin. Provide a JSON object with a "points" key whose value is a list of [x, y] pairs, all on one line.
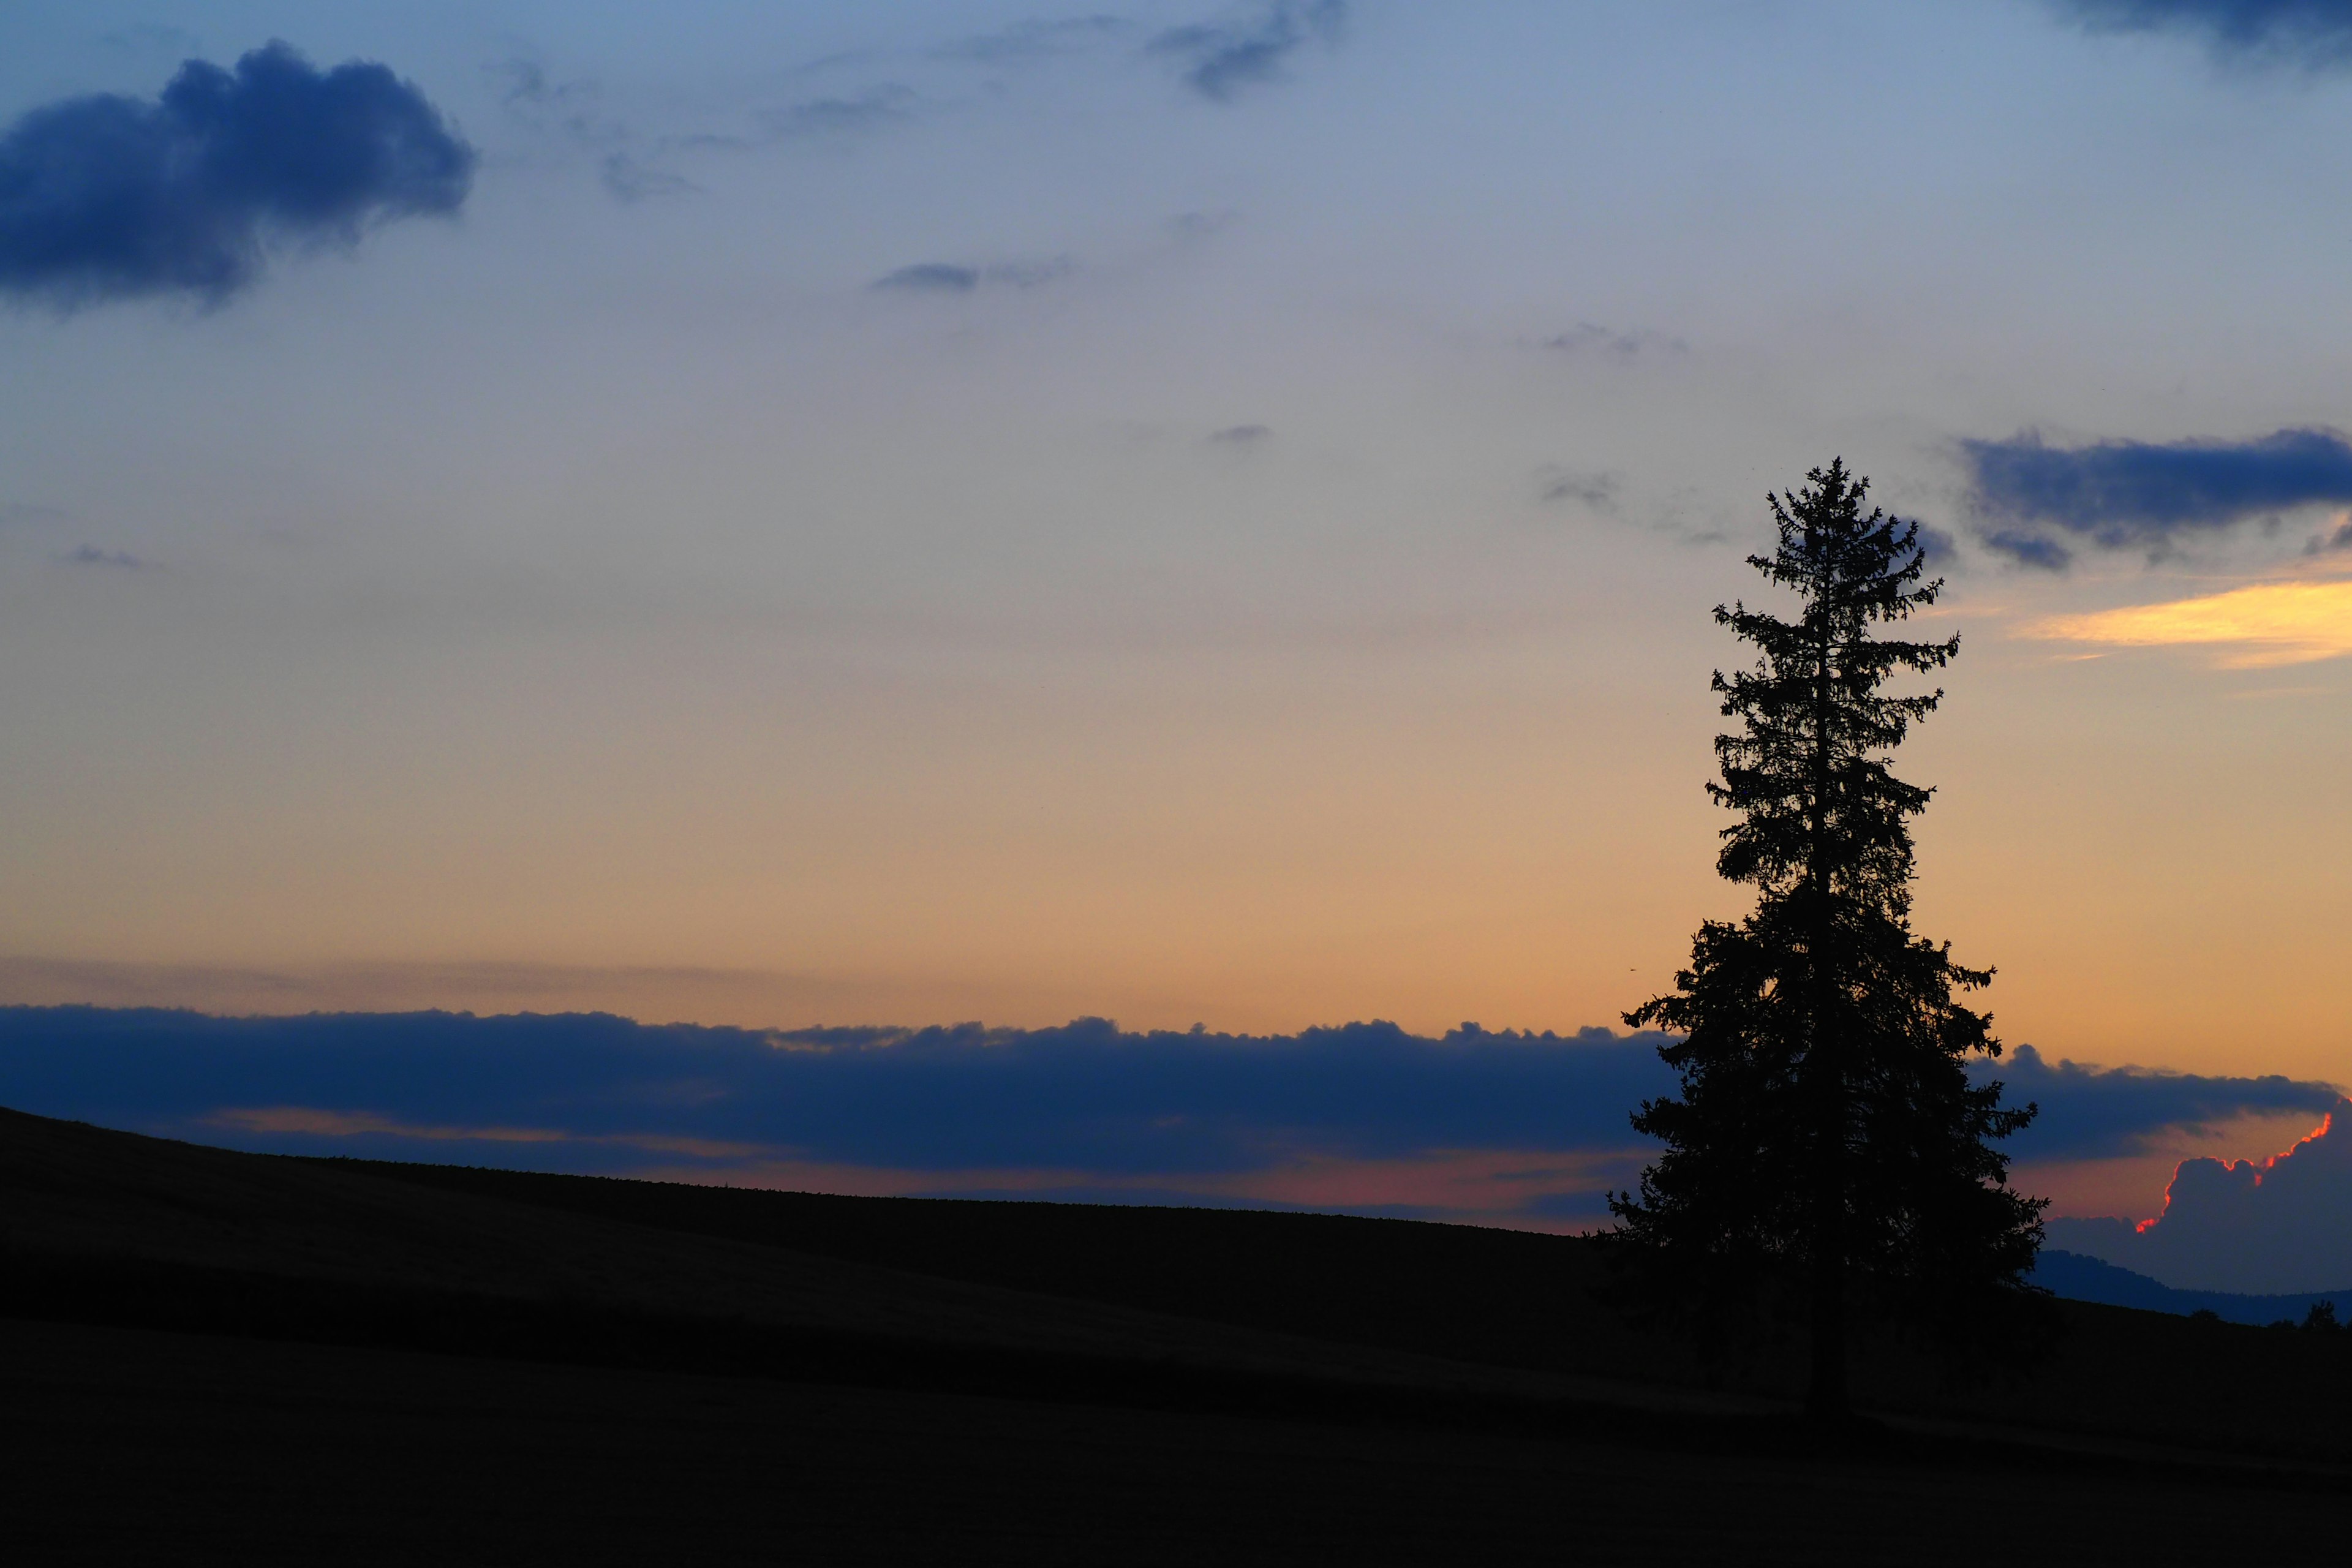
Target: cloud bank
{"points": [[1221, 59], [2139, 494], [2093, 1113], [2283, 1224], [107, 197], [1507, 1127]]}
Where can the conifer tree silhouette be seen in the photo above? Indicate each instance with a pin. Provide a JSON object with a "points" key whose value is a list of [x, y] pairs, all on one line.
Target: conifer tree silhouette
{"points": [[1826, 1122]]}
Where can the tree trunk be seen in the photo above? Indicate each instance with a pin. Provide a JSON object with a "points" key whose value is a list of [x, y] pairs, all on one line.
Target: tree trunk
{"points": [[1825, 1393]]}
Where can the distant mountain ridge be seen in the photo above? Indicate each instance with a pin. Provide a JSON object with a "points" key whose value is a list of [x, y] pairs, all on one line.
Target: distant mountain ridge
{"points": [[2082, 1279]]}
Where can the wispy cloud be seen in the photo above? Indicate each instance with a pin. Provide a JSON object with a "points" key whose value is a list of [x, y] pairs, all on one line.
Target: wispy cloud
{"points": [[861, 113], [634, 163], [2262, 625], [1219, 59], [1024, 43], [91, 556], [107, 197], [958, 278], [630, 181], [1583, 486], [1587, 340]]}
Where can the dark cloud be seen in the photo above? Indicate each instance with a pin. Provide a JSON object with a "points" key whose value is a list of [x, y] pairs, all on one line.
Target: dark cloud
{"points": [[1219, 58], [1588, 338], [1088, 1095], [932, 278], [2028, 549], [1242, 435], [627, 180], [2315, 32], [2091, 1112], [955, 278], [2141, 494], [2282, 1225], [1176, 1113], [91, 556], [108, 197], [1557, 486], [2330, 543], [1173, 1113]]}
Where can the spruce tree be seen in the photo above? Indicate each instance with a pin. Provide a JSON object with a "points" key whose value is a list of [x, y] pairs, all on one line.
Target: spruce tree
{"points": [[1826, 1122]]}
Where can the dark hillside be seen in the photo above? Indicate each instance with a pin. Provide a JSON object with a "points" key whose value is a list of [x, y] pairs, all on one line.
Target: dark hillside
{"points": [[159, 1448], [98, 1226], [1508, 1299], [1503, 1297], [1197, 1307]]}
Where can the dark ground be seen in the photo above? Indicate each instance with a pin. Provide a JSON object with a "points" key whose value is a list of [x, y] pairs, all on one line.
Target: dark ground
{"points": [[207, 1356], [139, 1447]]}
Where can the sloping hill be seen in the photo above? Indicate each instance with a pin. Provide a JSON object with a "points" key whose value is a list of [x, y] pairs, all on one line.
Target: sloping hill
{"points": [[1210, 1306], [137, 1229]]}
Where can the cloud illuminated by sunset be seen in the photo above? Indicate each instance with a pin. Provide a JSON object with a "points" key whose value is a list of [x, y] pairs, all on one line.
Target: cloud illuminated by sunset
{"points": [[2266, 624]]}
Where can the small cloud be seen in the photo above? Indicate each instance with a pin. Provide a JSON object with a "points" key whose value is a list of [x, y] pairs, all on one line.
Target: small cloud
{"points": [[1025, 42], [1190, 226], [1242, 435], [1221, 58], [630, 181], [525, 80], [930, 277], [1586, 339], [91, 556], [1591, 489], [956, 277], [2329, 544], [2312, 33], [875, 109], [108, 197], [2029, 550]]}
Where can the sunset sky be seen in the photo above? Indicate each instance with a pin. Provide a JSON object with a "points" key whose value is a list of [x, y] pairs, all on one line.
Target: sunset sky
{"points": [[827, 514]]}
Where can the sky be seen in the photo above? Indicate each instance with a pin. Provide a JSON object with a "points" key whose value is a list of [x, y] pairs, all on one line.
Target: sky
{"points": [[786, 515]]}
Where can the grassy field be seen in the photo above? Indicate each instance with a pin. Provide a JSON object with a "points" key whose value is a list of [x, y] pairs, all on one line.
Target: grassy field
{"points": [[239, 1357]]}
